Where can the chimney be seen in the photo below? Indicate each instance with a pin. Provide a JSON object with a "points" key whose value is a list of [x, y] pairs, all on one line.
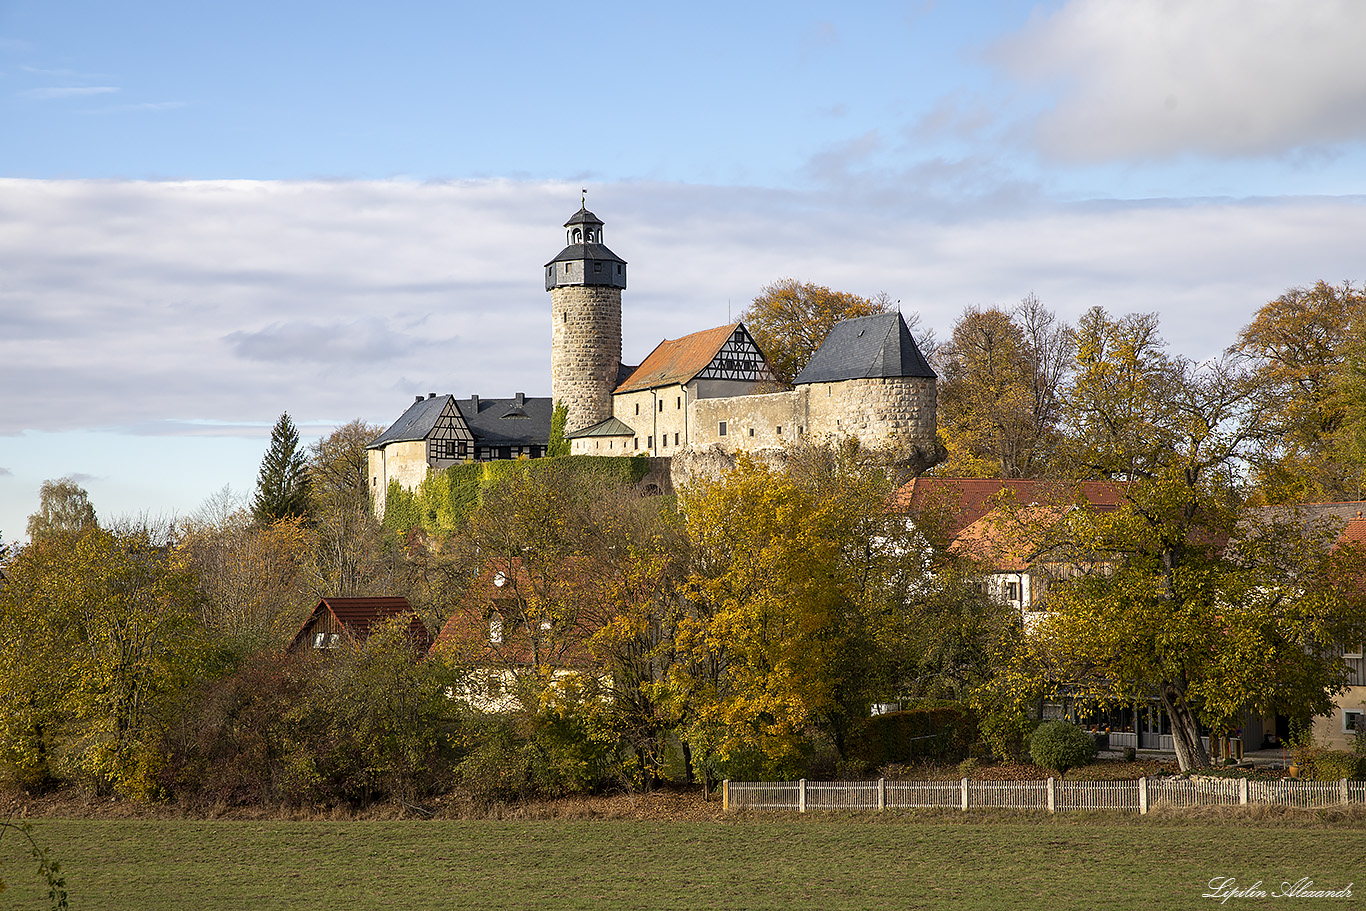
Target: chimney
{"points": [[475, 400], [419, 398], [521, 398], [431, 395]]}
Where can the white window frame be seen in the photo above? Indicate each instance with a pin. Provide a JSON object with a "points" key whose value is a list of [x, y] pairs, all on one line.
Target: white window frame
{"points": [[1348, 725]]}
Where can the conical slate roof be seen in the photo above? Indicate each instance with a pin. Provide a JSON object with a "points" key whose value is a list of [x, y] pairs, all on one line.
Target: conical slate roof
{"points": [[864, 347]]}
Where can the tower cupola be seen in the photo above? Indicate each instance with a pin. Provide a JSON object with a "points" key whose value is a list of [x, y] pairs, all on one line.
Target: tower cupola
{"points": [[585, 260]]}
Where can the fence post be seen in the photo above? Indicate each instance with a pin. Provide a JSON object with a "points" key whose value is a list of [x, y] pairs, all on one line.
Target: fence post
{"points": [[1242, 791], [1143, 795], [801, 796], [882, 793], [964, 785], [725, 796], [1052, 794], [1342, 790]]}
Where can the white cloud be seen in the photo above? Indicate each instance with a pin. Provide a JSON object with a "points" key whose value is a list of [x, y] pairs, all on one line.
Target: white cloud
{"points": [[1155, 79]]}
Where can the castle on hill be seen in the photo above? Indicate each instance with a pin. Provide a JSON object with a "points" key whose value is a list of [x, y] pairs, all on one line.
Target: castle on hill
{"points": [[708, 392]]}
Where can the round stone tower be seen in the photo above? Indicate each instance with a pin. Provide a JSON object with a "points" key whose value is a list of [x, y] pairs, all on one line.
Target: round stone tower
{"points": [[585, 282]]}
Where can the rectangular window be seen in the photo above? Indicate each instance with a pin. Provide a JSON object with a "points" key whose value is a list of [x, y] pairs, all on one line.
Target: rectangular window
{"points": [[1351, 721], [680, 404], [650, 442], [675, 439], [320, 640], [1012, 591], [1354, 652], [637, 408], [597, 267], [751, 431], [635, 442], [721, 430], [780, 430], [661, 404]]}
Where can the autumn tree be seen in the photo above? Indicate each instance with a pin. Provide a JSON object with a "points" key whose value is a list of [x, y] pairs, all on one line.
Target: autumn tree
{"points": [[789, 320], [345, 530], [100, 632], [797, 585], [63, 508], [1121, 410], [1175, 595], [1302, 347], [257, 582], [282, 482], [1000, 397]]}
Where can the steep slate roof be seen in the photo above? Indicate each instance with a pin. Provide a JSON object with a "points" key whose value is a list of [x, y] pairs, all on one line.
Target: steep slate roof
{"points": [[677, 361], [415, 424], [863, 347], [521, 420], [358, 615], [612, 427]]}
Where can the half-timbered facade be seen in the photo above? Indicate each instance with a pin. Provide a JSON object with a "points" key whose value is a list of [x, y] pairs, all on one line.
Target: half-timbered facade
{"points": [[437, 432], [654, 401]]}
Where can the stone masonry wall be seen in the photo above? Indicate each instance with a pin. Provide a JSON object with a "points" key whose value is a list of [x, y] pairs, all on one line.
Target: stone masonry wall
{"points": [[893, 413], [403, 462], [585, 351]]}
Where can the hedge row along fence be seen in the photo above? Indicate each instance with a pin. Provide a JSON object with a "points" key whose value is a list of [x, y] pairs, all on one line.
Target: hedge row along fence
{"points": [[1051, 795], [445, 499]]}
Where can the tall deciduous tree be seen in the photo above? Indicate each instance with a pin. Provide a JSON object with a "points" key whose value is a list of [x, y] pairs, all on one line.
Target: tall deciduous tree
{"points": [[1121, 407], [345, 529], [1302, 350], [100, 631], [789, 319], [1000, 399], [797, 585], [282, 482], [63, 508]]}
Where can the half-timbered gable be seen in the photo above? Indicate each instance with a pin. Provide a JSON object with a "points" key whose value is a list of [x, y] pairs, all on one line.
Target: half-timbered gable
{"points": [[653, 401]]}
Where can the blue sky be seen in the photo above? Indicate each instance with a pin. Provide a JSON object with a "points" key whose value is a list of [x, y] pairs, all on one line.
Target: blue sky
{"points": [[211, 215]]}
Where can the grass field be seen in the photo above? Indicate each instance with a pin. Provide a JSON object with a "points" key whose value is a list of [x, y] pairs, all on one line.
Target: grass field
{"points": [[818, 861]]}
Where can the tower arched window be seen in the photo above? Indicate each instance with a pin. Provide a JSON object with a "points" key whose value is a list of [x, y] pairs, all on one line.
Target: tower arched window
{"points": [[576, 237]]}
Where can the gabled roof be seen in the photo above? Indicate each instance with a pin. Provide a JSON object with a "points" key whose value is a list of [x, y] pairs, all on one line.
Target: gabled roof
{"points": [[678, 361], [358, 615], [612, 427], [957, 503], [864, 347], [415, 424]]}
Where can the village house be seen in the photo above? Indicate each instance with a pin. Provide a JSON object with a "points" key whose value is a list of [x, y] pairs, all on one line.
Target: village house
{"points": [[339, 622]]}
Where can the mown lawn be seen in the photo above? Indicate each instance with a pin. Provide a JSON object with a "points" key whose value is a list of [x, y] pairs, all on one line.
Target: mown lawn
{"points": [[825, 862]]}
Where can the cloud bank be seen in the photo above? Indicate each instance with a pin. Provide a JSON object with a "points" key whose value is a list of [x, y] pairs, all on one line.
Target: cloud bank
{"points": [[1224, 78], [208, 307]]}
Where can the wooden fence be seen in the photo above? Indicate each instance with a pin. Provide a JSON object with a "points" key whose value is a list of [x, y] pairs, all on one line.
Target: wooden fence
{"points": [[1052, 794]]}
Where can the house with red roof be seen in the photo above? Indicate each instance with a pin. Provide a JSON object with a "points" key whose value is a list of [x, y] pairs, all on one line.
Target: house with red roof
{"points": [[338, 622]]}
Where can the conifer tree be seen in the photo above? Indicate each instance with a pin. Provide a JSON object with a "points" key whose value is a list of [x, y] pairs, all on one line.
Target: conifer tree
{"points": [[282, 483]]}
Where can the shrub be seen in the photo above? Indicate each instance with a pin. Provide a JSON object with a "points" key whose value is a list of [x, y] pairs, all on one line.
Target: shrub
{"points": [[1061, 746], [1130, 754], [1331, 765], [940, 733]]}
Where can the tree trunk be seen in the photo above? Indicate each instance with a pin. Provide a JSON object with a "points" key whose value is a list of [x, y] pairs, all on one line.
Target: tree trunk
{"points": [[1190, 752]]}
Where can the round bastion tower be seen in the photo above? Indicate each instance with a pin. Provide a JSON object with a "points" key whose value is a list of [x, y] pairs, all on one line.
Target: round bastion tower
{"points": [[585, 282]]}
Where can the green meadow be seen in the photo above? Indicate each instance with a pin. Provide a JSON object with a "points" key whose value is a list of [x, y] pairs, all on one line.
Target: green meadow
{"points": [[825, 862]]}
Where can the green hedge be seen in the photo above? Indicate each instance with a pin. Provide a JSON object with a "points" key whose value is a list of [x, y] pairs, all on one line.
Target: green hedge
{"points": [[445, 499], [936, 733]]}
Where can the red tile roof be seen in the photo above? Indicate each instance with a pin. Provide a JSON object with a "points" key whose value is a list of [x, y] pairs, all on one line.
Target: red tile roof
{"points": [[960, 502], [358, 615], [678, 360]]}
